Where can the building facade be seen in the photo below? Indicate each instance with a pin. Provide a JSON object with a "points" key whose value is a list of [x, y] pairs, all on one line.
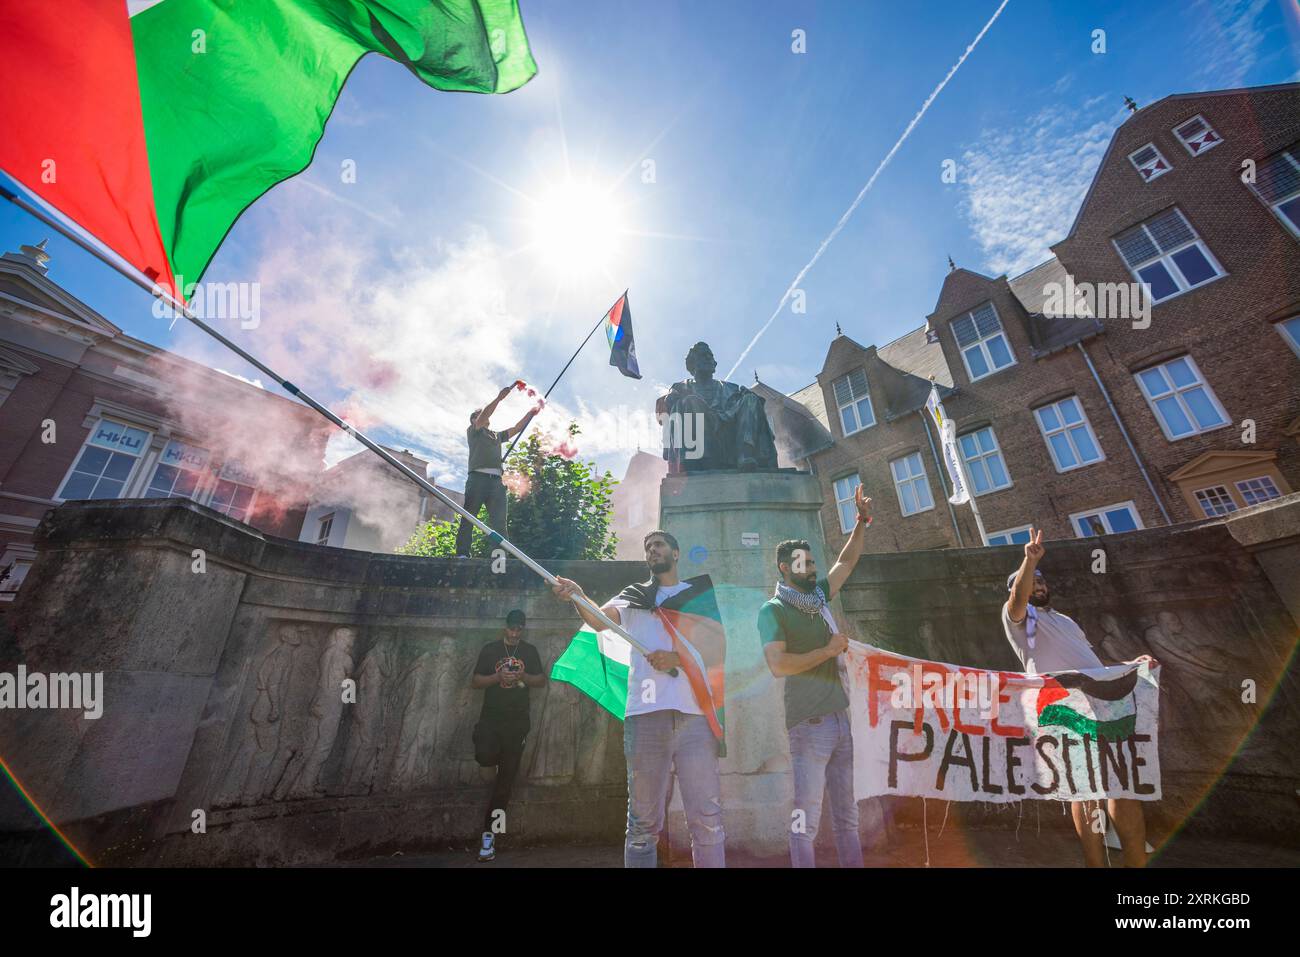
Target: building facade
{"points": [[365, 504], [1147, 374], [88, 412]]}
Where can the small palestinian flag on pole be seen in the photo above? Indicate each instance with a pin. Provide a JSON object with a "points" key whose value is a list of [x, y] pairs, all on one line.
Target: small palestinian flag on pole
{"points": [[598, 664], [618, 330], [1085, 705], [153, 124]]}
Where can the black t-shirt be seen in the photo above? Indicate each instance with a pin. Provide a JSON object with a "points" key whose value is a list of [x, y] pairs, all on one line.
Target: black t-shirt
{"points": [[506, 703]]}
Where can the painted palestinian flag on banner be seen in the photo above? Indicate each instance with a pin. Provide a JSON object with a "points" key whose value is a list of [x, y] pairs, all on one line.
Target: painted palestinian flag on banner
{"points": [[622, 346], [1087, 705], [153, 124], [598, 664]]}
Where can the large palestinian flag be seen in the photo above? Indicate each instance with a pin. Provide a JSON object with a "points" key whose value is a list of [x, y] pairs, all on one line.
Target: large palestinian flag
{"points": [[1087, 705], [153, 124], [597, 664]]}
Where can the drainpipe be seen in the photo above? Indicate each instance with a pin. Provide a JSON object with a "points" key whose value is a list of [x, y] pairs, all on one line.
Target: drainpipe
{"points": [[1114, 413], [939, 468]]}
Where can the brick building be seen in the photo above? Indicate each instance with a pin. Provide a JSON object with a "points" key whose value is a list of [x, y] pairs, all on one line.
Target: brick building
{"points": [[1088, 416], [89, 412]]}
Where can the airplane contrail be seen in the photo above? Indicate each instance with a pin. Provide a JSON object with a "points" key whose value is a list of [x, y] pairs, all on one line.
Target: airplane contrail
{"points": [[856, 202]]}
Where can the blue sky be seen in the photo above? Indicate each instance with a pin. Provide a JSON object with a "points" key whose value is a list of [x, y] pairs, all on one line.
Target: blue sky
{"points": [[410, 295]]}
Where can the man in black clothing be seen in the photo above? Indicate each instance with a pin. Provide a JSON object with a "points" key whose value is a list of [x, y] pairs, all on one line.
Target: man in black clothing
{"points": [[506, 669]]}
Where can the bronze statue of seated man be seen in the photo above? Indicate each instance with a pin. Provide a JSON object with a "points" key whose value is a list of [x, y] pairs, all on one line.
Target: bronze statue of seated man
{"points": [[713, 425]]}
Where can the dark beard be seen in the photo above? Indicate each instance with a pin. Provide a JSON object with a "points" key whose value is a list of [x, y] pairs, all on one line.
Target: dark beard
{"points": [[664, 566], [1040, 602], [805, 582]]}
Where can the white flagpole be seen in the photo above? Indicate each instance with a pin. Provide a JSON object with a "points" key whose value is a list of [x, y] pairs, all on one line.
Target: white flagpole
{"points": [[154, 289], [944, 426]]}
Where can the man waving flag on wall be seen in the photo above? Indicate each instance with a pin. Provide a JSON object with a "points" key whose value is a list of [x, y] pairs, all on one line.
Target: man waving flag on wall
{"points": [[153, 124]]}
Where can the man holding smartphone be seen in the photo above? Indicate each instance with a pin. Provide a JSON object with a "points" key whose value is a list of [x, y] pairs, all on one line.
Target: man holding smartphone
{"points": [[506, 669]]}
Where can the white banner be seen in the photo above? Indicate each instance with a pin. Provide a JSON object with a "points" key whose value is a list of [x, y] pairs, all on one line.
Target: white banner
{"points": [[927, 729], [948, 440]]}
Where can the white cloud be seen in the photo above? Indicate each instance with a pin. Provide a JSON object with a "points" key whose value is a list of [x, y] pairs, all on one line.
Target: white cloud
{"points": [[1228, 38], [1023, 186]]}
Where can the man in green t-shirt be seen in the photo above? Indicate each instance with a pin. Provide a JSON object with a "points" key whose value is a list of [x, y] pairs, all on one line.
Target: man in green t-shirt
{"points": [[483, 485], [803, 646]]}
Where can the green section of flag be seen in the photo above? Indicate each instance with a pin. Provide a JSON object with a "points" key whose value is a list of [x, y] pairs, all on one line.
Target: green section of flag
{"points": [[1060, 716], [235, 95], [595, 674]]}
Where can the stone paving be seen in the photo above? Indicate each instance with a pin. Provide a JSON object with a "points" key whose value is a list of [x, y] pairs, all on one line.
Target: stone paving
{"points": [[952, 848]]}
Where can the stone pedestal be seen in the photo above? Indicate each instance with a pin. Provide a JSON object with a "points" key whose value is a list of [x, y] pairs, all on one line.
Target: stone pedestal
{"points": [[728, 525]]}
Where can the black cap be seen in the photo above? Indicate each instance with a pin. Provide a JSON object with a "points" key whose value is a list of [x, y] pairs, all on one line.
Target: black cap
{"points": [[515, 617]]}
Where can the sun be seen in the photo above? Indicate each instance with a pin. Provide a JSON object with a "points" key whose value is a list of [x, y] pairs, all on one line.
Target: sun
{"points": [[577, 228]]}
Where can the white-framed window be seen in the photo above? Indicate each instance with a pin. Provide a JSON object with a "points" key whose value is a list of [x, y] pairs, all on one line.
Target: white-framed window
{"points": [[323, 532], [1149, 163], [235, 492], [854, 401], [179, 472], [1256, 490], [1167, 255], [1197, 135], [1011, 536], [1290, 330], [984, 464], [1181, 398], [1068, 434], [983, 344], [1277, 183], [1215, 500], [106, 462], [910, 483], [844, 504], [1108, 520], [14, 566]]}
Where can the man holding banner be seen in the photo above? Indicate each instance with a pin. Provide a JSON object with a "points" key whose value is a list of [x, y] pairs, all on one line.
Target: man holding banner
{"points": [[802, 644], [1047, 641], [672, 716]]}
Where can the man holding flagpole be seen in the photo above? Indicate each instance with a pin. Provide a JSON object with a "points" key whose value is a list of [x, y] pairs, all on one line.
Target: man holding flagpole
{"points": [[673, 713]]}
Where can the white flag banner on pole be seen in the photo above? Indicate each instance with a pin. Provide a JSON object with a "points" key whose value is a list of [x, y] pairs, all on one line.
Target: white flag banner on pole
{"points": [[948, 438]]}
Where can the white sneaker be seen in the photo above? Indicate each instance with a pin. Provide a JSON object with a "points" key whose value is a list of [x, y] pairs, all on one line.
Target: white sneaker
{"points": [[488, 851]]}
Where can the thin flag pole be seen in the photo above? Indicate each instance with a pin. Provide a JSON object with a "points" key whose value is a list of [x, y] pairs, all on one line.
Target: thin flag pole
{"points": [[547, 394], [156, 290]]}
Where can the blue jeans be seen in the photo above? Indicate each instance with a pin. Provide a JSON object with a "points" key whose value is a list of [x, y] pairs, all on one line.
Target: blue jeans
{"points": [[821, 754], [657, 744]]}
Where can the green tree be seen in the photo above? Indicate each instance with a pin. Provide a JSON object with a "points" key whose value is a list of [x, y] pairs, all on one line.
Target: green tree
{"points": [[559, 508]]}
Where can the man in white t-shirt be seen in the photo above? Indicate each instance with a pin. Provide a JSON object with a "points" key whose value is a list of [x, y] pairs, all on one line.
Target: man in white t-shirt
{"points": [[1047, 641], [665, 728]]}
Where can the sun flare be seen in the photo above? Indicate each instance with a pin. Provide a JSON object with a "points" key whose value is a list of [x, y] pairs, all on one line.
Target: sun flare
{"points": [[577, 228]]}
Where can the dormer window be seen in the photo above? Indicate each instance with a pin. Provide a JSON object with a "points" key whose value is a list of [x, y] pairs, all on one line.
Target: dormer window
{"points": [[1197, 136], [982, 342], [1149, 163], [854, 401]]}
